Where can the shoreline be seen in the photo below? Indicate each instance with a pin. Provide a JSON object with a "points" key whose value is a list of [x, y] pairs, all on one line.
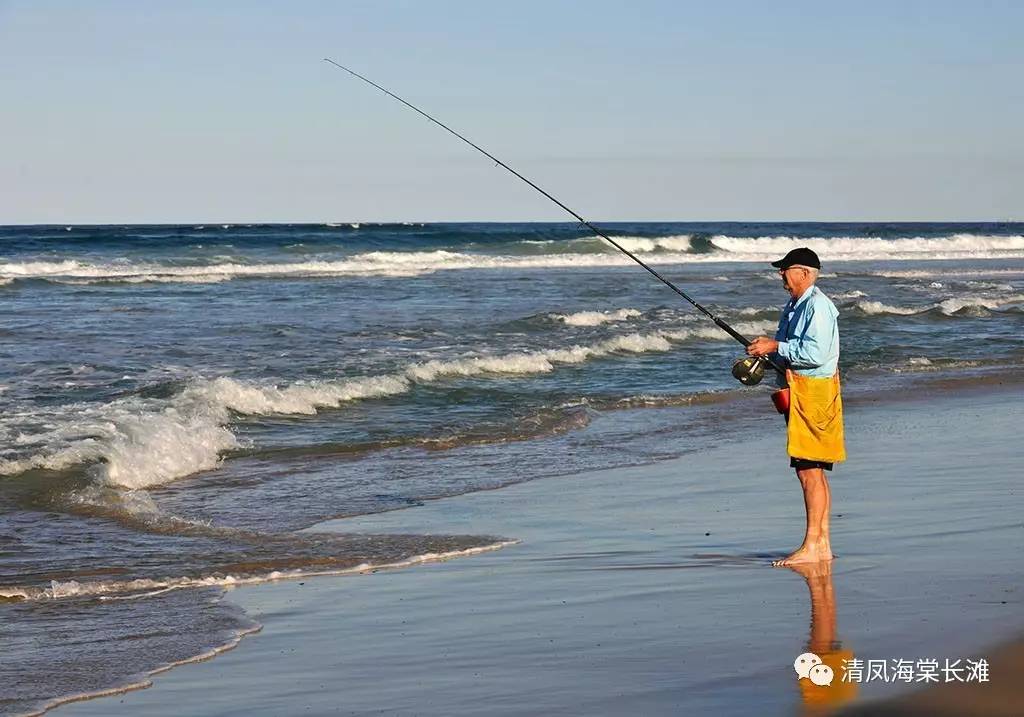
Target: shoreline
{"points": [[541, 536], [144, 680]]}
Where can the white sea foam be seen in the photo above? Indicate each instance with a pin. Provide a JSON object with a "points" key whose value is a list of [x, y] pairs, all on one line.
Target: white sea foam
{"points": [[594, 318], [148, 587], [297, 399], [40, 268]]}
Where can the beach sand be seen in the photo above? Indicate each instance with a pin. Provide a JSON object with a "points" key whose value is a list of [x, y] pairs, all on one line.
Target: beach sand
{"points": [[648, 590]]}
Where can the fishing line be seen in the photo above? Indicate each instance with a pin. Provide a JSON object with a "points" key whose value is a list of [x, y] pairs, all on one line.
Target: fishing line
{"points": [[751, 363]]}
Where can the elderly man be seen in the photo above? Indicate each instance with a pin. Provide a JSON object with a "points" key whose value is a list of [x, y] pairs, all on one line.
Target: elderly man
{"points": [[807, 345]]}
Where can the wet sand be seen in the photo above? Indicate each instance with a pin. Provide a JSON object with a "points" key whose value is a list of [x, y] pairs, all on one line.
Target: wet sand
{"points": [[1002, 697], [649, 590]]}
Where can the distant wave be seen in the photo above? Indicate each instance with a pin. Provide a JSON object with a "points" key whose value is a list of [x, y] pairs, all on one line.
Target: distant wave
{"points": [[388, 264], [147, 279], [945, 272], [140, 442], [374, 263], [676, 249], [751, 248], [948, 307], [852, 248]]}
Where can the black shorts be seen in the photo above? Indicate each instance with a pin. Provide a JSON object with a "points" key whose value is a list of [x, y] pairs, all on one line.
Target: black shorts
{"points": [[802, 464]]}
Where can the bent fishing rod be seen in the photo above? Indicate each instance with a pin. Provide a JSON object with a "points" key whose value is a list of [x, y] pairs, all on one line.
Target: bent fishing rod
{"points": [[752, 368]]}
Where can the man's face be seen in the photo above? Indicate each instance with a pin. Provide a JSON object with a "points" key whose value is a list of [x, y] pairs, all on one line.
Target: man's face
{"points": [[792, 278], [784, 273]]}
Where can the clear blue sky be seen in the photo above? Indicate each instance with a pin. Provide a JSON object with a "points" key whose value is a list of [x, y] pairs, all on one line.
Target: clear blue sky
{"points": [[223, 111]]}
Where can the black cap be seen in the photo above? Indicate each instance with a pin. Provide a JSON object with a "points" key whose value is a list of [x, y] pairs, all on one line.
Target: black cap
{"points": [[802, 256]]}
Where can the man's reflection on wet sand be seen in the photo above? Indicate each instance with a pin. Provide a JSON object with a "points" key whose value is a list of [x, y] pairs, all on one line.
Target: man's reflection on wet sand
{"points": [[824, 642]]}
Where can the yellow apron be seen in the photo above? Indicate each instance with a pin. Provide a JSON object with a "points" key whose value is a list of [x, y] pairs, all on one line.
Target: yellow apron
{"points": [[815, 424]]}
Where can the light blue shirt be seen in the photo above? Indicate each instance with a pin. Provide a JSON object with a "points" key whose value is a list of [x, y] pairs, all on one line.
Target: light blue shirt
{"points": [[808, 335]]}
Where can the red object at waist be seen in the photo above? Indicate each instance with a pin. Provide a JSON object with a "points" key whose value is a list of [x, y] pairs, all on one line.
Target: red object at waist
{"points": [[781, 400]]}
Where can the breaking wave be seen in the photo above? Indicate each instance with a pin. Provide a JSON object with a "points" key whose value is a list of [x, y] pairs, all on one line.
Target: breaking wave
{"points": [[140, 442], [946, 272]]}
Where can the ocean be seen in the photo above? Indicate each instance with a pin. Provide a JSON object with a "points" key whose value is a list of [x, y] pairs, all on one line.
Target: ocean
{"points": [[181, 405]]}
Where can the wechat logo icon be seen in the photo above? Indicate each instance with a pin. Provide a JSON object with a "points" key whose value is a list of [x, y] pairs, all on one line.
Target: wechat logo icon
{"points": [[809, 666]]}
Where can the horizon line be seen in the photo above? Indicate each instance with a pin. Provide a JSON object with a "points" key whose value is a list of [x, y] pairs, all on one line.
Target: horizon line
{"points": [[349, 223]]}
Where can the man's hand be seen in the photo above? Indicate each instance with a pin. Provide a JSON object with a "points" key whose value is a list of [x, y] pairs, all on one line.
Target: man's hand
{"points": [[762, 346]]}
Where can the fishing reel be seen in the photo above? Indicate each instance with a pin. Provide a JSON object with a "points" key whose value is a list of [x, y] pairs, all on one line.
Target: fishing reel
{"points": [[749, 370]]}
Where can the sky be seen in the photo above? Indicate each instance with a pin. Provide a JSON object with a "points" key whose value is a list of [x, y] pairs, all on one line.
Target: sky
{"points": [[124, 112]]}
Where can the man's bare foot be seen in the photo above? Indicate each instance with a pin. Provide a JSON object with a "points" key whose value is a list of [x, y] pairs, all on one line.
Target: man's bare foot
{"points": [[806, 553]]}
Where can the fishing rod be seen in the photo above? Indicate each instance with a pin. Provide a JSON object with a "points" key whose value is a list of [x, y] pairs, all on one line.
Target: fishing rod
{"points": [[748, 371]]}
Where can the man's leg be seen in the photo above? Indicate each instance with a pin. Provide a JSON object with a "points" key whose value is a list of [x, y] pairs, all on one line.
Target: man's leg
{"points": [[818, 503]]}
